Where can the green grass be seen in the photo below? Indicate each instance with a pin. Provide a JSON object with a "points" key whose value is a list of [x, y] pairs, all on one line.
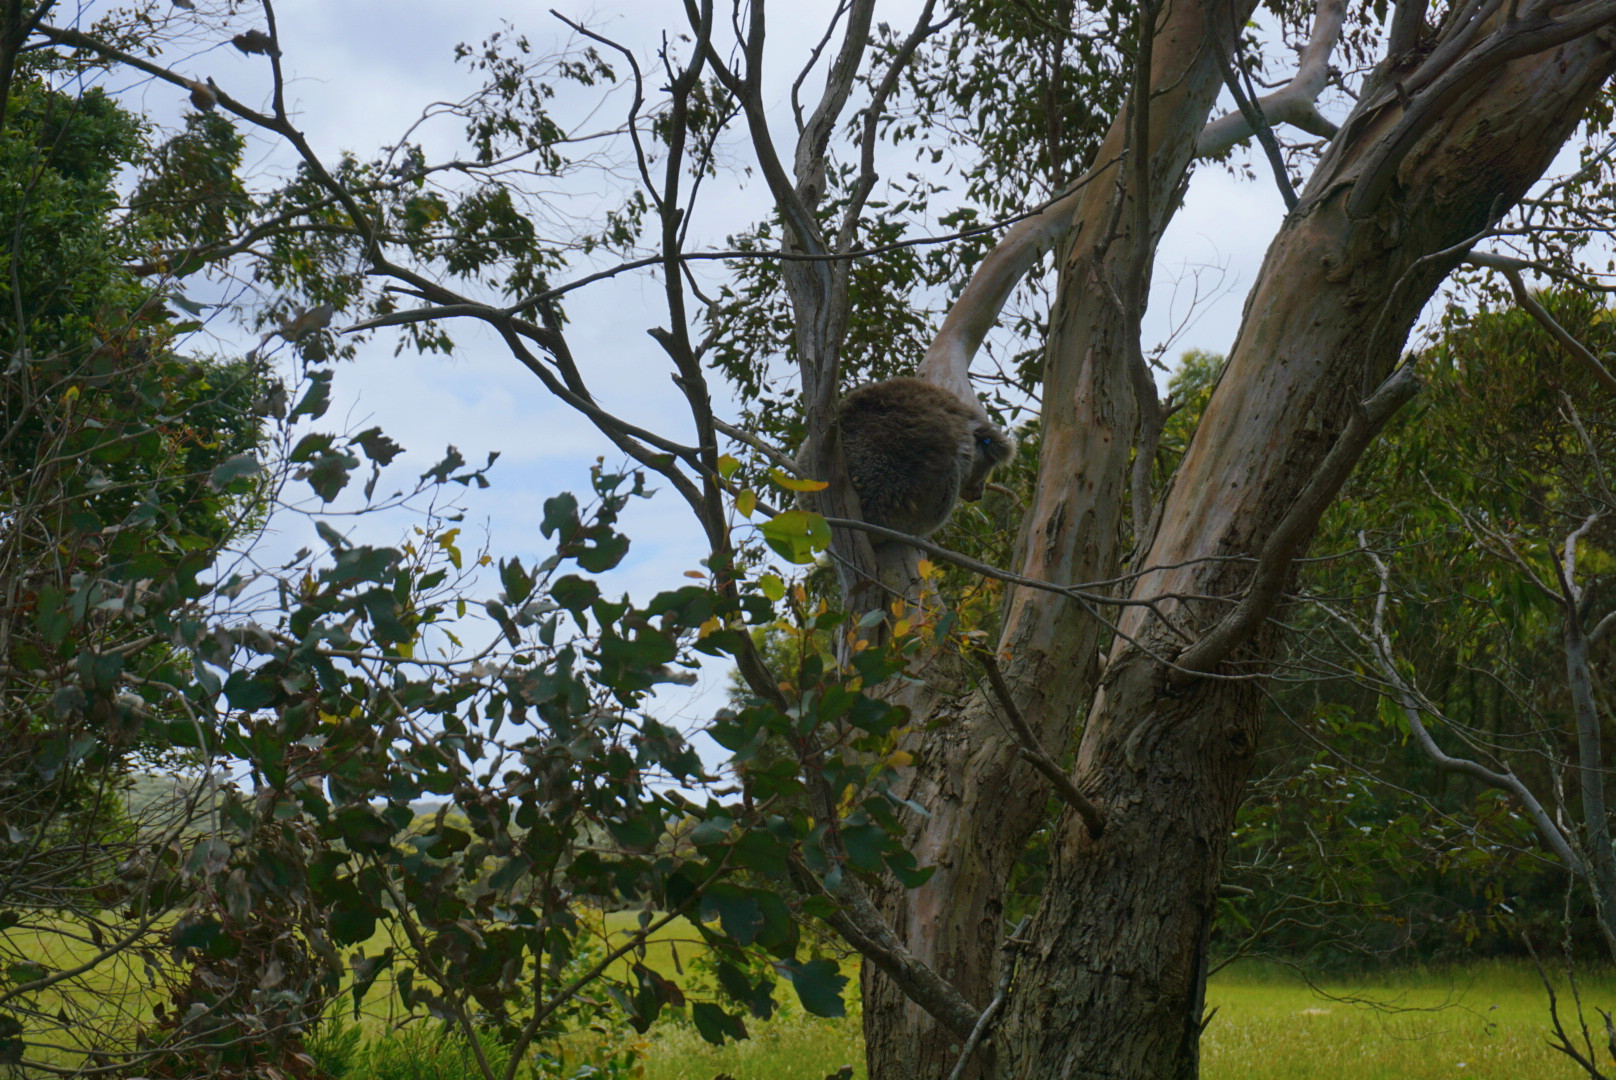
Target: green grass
{"points": [[1482, 1022], [792, 1046], [1485, 1021]]}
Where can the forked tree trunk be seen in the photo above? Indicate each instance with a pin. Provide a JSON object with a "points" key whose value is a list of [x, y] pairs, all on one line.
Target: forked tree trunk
{"points": [[1112, 984], [983, 799]]}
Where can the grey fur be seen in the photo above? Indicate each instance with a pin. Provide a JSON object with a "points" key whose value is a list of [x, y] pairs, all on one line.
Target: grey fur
{"points": [[914, 449]]}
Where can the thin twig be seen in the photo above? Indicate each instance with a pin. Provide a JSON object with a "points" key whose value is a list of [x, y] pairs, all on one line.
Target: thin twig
{"points": [[1012, 947], [1035, 754], [1511, 269]]}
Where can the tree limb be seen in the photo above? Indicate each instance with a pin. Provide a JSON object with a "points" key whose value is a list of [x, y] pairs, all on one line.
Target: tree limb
{"points": [[948, 359], [1295, 103], [1533, 32], [1274, 563], [1590, 756], [1035, 754], [1511, 269], [1410, 702], [1252, 113], [1012, 945]]}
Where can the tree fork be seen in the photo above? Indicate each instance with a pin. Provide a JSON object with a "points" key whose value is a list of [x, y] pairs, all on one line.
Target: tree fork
{"points": [[1115, 977]]}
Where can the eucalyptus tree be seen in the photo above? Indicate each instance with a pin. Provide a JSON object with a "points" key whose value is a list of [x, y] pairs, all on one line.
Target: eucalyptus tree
{"points": [[1077, 129]]}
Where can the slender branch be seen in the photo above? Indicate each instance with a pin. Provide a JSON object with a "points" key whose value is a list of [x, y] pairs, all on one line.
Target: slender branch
{"points": [[1035, 754], [1274, 563], [1252, 113], [1012, 948], [1380, 645], [1590, 755], [872, 119], [779, 457], [1511, 269], [810, 154]]}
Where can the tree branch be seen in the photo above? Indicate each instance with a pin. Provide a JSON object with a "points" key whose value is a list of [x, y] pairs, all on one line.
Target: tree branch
{"points": [[1295, 103], [1511, 269], [1251, 112], [1007, 972], [948, 359], [1380, 646], [1590, 756], [1533, 32], [1274, 563], [1035, 754]]}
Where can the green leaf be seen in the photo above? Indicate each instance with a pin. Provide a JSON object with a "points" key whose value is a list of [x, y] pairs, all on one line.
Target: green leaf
{"points": [[560, 514], [796, 535], [234, 468], [819, 986], [714, 1023], [316, 399]]}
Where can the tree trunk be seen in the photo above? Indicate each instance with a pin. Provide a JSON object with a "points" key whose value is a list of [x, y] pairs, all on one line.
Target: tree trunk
{"points": [[1112, 985], [983, 800]]}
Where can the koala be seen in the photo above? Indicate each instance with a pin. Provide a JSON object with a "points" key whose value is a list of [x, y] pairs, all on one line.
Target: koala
{"points": [[914, 449]]}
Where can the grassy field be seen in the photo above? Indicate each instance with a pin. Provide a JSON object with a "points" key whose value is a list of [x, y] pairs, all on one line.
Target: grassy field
{"points": [[1486, 1021], [1483, 1022]]}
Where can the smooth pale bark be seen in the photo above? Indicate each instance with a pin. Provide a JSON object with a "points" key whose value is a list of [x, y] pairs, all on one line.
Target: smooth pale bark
{"points": [[1113, 984], [983, 799]]}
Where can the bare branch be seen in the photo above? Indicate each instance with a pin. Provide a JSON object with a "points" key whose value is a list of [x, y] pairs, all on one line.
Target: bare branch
{"points": [[1035, 754], [1511, 269], [1295, 103], [948, 360], [1590, 755], [1252, 113], [780, 458], [1007, 972], [872, 119], [1380, 646], [810, 155], [1298, 523]]}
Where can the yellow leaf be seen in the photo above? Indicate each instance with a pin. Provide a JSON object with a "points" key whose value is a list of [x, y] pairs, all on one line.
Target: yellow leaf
{"points": [[791, 483], [746, 502]]}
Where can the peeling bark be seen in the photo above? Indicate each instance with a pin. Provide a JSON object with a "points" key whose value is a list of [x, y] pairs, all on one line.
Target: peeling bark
{"points": [[983, 799], [1112, 986]]}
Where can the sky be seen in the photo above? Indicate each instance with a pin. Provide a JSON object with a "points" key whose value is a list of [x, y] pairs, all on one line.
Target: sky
{"points": [[360, 74]]}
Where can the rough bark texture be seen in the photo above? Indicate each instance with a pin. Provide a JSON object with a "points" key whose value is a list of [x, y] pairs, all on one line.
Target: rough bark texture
{"points": [[984, 800], [1113, 985]]}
